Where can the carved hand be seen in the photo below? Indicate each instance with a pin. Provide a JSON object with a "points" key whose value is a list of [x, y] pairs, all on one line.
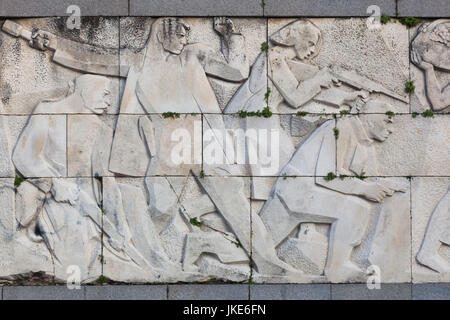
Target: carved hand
{"points": [[376, 192], [325, 78], [63, 191], [224, 26], [417, 60], [39, 39]]}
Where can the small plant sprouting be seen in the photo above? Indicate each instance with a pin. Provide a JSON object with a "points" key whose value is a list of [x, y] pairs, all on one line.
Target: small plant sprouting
{"points": [[267, 95], [101, 258], [343, 176], [195, 222], [344, 113], [172, 115], [284, 176], [330, 176], [102, 280], [414, 114], [250, 278], [103, 211], [302, 113], [409, 22], [409, 86], [390, 114], [265, 47], [385, 19], [242, 114], [428, 114], [263, 3], [202, 174], [237, 243], [266, 113], [336, 133], [18, 181], [361, 176]]}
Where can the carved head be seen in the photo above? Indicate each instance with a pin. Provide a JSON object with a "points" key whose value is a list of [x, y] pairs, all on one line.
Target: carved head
{"points": [[432, 43], [172, 34], [303, 35], [378, 124], [94, 91]]}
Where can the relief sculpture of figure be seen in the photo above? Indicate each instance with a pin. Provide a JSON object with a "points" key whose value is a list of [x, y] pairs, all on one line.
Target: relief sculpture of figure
{"points": [[437, 234], [344, 204], [297, 80], [430, 52]]}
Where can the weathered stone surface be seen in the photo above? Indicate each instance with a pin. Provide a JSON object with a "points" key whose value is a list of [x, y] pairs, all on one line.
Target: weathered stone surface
{"points": [[195, 8], [415, 147], [89, 139], [156, 145], [39, 79], [43, 8], [6, 166], [321, 8], [430, 227]]}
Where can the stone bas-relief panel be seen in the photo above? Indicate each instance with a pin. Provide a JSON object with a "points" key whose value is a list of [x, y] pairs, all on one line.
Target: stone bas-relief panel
{"points": [[430, 229], [219, 160], [329, 65]]}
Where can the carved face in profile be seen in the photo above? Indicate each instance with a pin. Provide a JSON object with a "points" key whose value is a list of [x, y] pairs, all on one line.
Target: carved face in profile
{"points": [[432, 44], [95, 92], [437, 51], [378, 126], [303, 35], [172, 35]]}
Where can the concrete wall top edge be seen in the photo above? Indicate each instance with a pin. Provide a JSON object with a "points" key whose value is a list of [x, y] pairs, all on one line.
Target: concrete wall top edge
{"points": [[237, 8]]}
